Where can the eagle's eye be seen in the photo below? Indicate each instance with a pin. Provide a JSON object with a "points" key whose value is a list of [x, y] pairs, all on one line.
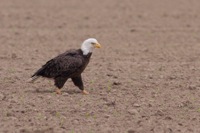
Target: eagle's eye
{"points": [[92, 43]]}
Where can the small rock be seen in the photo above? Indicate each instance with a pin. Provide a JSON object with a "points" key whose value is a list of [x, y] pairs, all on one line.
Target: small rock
{"points": [[145, 50], [12, 118], [172, 77], [9, 114], [159, 113], [169, 130], [48, 130], [76, 121], [65, 94], [28, 17], [108, 130], [131, 131], [168, 118], [180, 124], [136, 105], [22, 111], [116, 83], [13, 56], [132, 30], [60, 26], [133, 111], [2, 97], [83, 109], [191, 130], [188, 25], [24, 131], [86, 17], [150, 77], [192, 87], [115, 77], [150, 105], [107, 116], [109, 75], [111, 103], [37, 90]]}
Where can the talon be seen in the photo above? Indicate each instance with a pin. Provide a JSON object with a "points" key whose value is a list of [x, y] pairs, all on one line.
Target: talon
{"points": [[58, 91], [85, 92]]}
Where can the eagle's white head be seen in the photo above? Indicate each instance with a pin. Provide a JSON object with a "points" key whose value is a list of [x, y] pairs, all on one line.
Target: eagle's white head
{"points": [[88, 45]]}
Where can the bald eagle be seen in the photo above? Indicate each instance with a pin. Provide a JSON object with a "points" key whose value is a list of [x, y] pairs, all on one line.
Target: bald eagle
{"points": [[69, 64]]}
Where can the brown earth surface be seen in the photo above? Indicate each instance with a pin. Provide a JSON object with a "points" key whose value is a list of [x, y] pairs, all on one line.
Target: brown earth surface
{"points": [[145, 78]]}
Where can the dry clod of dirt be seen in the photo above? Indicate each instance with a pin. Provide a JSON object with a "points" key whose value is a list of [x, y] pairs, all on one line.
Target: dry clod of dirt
{"points": [[172, 77], [111, 103], [136, 105], [133, 111], [159, 113], [65, 94], [131, 131], [107, 116], [76, 121], [168, 118], [13, 56], [48, 130], [133, 30], [2, 96], [116, 83], [187, 104], [192, 87]]}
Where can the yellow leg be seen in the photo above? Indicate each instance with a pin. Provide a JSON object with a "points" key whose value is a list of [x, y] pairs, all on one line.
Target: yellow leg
{"points": [[85, 92], [58, 91]]}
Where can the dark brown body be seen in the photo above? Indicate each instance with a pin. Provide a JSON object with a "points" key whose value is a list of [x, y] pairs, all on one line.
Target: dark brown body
{"points": [[67, 65]]}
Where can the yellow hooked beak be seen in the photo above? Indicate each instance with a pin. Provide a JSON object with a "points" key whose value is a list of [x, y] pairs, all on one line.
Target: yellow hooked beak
{"points": [[97, 45]]}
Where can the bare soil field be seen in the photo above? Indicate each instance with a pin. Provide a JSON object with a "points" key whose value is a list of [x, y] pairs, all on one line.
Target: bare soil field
{"points": [[144, 79]]}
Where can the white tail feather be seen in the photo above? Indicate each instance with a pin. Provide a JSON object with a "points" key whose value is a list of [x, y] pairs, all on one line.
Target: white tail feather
{"points": [[32, 79]]}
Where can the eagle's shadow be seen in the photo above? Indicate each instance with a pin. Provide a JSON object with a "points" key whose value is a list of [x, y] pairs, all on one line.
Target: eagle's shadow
{"points": [[43, 91]]}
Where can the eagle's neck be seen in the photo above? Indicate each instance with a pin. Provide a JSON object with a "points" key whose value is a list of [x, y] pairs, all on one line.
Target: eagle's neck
{"points": [[88, 55], [86, 51], [86, 48]]}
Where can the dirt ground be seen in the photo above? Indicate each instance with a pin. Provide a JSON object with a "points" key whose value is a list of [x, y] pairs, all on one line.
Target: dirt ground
{"points": [[144, 79]]}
